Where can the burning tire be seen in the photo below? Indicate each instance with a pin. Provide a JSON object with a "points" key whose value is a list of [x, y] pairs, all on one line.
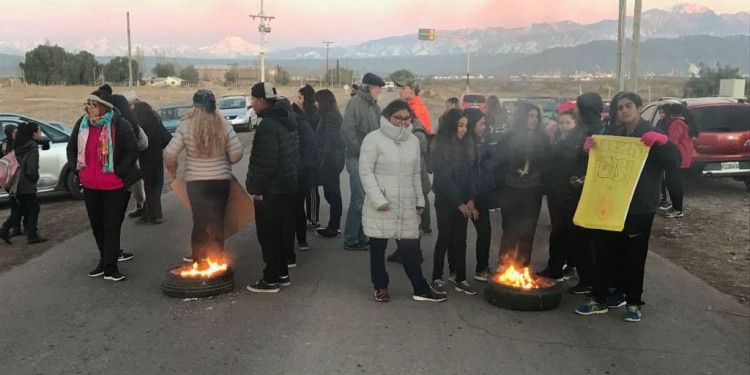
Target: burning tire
{"points": [[535, 294], [174, 285]]}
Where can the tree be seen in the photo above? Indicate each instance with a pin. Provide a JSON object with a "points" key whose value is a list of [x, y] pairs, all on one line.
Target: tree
{"points": [[117, 69], [345, 75], [402, 75], [44, 65], [189, 74], [79, 68], [164, 69], [708, 79], [282, 76], [231, 77]]}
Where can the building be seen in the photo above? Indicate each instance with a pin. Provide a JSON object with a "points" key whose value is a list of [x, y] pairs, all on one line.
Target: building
{"points": [[245, 74]]}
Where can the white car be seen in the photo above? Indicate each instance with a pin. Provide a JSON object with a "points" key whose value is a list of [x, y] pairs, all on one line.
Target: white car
{"points": [[54, 174], [238, 112]]}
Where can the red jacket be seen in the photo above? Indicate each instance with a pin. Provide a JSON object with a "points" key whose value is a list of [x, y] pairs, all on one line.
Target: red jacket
{"points": [[678, 133], [417, 105], [91, 175]]}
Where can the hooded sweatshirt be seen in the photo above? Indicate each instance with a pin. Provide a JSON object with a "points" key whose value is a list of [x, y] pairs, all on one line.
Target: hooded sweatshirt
{"points": [[274, 157], [360, 118], [28, 156]]}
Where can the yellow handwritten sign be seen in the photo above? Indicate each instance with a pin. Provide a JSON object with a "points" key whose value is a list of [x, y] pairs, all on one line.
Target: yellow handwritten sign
{"points": [[615, 166]]}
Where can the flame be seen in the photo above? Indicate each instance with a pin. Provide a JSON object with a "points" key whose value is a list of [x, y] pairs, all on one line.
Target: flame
{"points": [[512, 277], [213, 268]]}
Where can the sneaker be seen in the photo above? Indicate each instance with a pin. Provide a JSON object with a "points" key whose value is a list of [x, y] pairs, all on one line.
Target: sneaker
{"points": [[465, 287], [592, 307], [284, 281], [438, 286], [96, 272], [357, 246], [138, 212], [483, 275], [381, 295], [35, 240], [550, 274], [452, 278], [263, 287], [313, 226], [664, 205], [673, 214], [327, 233], [291, 262], [114, 276], [187, 259], [15, 232], [303, 246], [616, 299], [569, 272], [580, 289], [633, 313], [394, 257], [426, 230], [430, 296], [124, 256]]}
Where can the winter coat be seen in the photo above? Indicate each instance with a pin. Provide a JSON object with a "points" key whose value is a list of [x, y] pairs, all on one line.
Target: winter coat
{"points": [[126, 154], [660, 158], [420, 110], [28, 159], [485, 167], [360, 118], [201, 168], [308, 153], [567, 153], [424, 155], [153, 156], [275, 153], [514, 150], [330, 148], [679, 134], [389, 168], [453, 181]]}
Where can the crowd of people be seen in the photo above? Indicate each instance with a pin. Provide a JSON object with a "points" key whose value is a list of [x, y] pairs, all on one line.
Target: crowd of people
{"points": [[480, 162]]}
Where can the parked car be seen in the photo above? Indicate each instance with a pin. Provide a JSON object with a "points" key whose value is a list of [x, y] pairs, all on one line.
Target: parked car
{"points": [[473, 100], [54, 174], [239, 113], [722, 148], [58, 124], [172, 113]]}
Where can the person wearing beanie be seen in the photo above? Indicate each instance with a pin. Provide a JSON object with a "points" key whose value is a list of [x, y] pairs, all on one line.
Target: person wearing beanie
{"points": [[211, 147], [102, 147], [273, 182], [362, 116]]}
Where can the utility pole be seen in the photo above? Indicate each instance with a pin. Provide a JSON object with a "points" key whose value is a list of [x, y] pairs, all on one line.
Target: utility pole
{"points": [[328, 76], [263, 29], [636, 42], [338, 73], [130, 59], [620, 44]]}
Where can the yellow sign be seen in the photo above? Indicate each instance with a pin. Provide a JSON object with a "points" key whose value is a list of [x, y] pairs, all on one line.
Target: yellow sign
{"points": [[615, 166]]}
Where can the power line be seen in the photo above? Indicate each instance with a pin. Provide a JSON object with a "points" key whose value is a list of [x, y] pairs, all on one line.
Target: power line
{"points": [[264, 29]]}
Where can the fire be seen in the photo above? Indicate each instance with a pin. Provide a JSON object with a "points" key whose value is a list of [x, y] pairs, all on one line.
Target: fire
{"points": [[213, 268], [519, 279]]}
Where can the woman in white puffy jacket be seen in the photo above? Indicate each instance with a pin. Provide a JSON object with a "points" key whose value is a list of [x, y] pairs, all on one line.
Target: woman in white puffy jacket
{"points": [[389, 166]]}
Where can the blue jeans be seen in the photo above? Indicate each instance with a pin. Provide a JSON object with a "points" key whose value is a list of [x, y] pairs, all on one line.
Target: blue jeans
{"points": [[353, 233]]}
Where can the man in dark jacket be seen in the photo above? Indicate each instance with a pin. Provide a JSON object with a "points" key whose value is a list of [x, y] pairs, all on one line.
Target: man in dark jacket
{"points": [[272, 181], [361, 117], [306, 175]]}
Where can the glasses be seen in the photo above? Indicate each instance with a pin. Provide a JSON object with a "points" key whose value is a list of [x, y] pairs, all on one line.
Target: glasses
{"points": [[90, 104], [402, 119]]}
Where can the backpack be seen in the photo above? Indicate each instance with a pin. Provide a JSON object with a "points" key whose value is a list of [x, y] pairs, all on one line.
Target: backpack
{"points": [[8, 169]]}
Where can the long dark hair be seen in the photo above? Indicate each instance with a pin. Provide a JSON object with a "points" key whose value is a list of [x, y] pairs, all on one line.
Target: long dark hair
{"points": [[122, 105], [326, 103], [676, 110], [25, 132], [521, 116], [146, 115], [9, 141], [308, 99], [473, 115], [447, 142]]}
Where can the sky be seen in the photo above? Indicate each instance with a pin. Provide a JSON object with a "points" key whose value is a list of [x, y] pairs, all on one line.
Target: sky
{"points": [[298, 22]]}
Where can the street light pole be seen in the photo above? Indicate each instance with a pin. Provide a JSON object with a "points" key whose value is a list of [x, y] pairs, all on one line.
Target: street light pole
{"points": [[264, 29], [429, 35], [328, 77]]}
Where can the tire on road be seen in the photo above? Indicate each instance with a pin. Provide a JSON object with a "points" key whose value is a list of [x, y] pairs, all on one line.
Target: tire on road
{"points": [[521, 299], [196, 287]]}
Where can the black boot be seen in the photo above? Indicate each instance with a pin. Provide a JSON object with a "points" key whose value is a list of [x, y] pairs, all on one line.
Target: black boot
{"points": [[15, 232], [5, 236], [34, 239]]}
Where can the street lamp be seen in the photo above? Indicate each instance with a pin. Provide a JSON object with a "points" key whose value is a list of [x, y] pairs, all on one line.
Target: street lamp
{"points": [[429, 35]]}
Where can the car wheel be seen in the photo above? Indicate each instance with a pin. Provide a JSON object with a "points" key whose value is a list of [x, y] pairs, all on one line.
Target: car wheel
{"points": [[747, 184], [74, 186]]}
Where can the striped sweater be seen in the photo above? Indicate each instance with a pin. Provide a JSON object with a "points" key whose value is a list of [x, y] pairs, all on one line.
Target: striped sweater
{"points": [[196, 168]]}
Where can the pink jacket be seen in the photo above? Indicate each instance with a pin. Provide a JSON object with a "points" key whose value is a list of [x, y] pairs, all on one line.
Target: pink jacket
{"points": [[679, 135], [91, 175]]}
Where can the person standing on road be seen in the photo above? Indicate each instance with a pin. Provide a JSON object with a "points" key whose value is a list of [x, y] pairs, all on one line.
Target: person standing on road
{"points": [[681, 130], [24, 183], [390, 168], [212, 147], [330, 157], [306, 102], [307, 177], [272, 181], [152, 160], [360, 118], [522, 159], [625, 251], [454, 183], [6, 148], [102, 147], [496, 118]]}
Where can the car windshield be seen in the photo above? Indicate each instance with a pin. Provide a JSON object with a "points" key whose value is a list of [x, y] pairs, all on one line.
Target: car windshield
{"points": [[232, 103], [54, 135], [474, 99], [734, 118], [173, 113]]}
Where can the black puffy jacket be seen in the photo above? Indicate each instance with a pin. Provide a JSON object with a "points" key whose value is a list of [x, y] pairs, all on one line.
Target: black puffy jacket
{"points": [[308, 153], [330, 147], [275, 154]]}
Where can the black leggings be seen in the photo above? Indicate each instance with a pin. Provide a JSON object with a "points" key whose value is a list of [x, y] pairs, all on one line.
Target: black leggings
{"points": [[673, 181], [451, 239], [520, 210], [106, 211], [312, 204], [208, 201]]}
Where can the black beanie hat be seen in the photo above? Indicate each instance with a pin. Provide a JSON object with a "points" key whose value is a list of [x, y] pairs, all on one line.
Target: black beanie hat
{"points": [[206, 99], [101, 96], [264, 90], [106, 87]]}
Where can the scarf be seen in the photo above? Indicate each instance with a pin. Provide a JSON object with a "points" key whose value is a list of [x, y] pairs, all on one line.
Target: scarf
{"points": [[104, 146]]}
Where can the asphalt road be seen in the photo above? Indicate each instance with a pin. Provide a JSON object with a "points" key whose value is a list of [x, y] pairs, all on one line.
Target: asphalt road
{"points": [[56, 320]]}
